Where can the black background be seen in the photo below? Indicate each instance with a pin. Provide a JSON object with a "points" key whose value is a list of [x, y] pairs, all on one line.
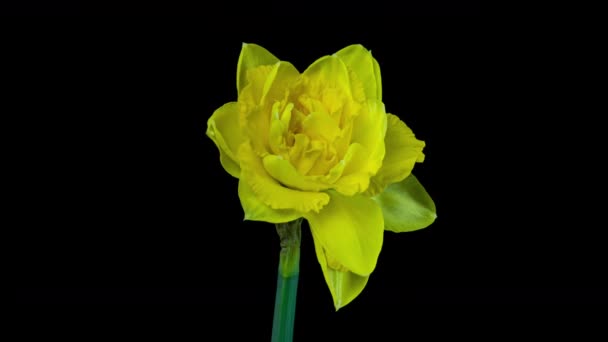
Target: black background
{"points": [[282, 11], [130, 205]]}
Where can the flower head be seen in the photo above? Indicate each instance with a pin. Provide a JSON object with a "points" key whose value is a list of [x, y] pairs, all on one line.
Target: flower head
{"points": [[319, 145]]}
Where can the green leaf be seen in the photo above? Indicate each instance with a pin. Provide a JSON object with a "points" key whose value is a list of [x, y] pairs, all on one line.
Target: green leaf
{"points": [[406, 206]]}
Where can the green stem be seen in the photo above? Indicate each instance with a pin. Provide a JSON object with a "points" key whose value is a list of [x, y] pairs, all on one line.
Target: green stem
{"points": [[287, 281]]}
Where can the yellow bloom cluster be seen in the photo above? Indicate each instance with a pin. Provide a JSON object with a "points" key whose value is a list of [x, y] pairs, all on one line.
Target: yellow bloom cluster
{"points": [[319, 145]]}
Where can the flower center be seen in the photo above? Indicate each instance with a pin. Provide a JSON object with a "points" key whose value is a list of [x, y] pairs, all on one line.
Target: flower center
{"points": [[312, 132]]}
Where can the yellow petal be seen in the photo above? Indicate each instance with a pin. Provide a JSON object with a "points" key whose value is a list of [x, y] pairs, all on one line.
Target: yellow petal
{"points": [[350, 230], [223, 128], [326, 161], [264, 94], [256, 210], [378, 79], [369, 129], [360, 61], [296, 152], [279, 125], [253, 91], [403, 150], [326, 72], [256, 127], [282, 170], [351, 171], [254, 118], [319, 125], [344, 138], [333, 101], [344, 285], [309, 157], [282, 75], [270, 191], [251, 56], [364, 156]]}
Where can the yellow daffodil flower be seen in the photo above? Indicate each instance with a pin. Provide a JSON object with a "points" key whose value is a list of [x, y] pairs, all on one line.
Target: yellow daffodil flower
{"points": [[319, 145]]}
